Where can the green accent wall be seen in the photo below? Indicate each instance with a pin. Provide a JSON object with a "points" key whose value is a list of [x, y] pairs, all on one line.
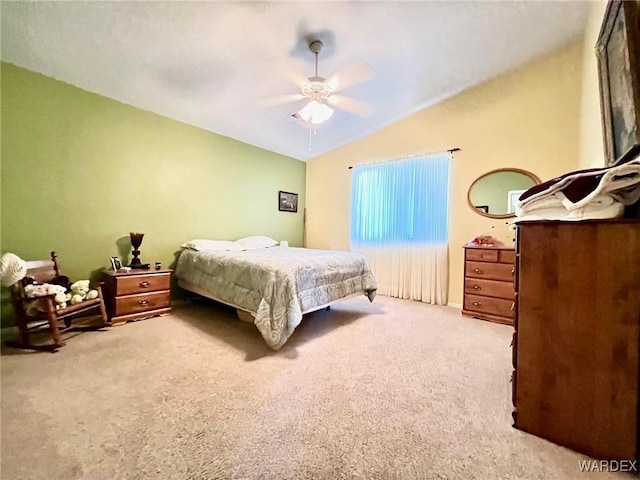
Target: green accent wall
{"points": [[80, 171]]}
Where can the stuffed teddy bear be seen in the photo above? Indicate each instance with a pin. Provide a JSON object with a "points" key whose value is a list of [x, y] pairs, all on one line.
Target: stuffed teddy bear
{"points": [[36, 291], [81, 291]]}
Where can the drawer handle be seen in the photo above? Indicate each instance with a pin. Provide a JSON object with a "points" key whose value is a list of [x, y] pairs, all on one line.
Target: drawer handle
{"points": [[144, 303], [477, 270], [145, 284], [477, 287], [513, 270], [476, 304], [513, 306]]}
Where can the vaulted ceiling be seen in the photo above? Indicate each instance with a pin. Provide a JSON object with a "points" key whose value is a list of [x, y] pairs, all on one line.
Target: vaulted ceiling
{"points": [[225, 66]]}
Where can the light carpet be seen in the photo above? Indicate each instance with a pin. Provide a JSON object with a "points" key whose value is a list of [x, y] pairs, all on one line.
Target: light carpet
{"points": [[394, 389]]}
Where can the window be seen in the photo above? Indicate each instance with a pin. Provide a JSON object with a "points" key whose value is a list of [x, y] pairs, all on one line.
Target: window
{"points": [[403, 201]]}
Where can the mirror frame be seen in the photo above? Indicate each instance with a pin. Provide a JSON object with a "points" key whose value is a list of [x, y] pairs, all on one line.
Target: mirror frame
{"points": [[532, 176]]}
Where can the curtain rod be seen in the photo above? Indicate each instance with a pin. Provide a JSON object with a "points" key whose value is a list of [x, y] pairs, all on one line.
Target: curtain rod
{"points": [[403, 157]]}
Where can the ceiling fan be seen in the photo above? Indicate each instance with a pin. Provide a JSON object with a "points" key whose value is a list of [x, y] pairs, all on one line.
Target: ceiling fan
{"points": [[322, 92]]}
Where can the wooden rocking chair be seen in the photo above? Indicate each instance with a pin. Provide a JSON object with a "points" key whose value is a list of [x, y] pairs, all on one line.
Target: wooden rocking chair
{"points": [[55, 320]]}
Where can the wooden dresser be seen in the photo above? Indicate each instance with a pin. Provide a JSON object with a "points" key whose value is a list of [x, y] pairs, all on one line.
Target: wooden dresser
{"points": [[577, 335], [488, 283], [136, 294]]}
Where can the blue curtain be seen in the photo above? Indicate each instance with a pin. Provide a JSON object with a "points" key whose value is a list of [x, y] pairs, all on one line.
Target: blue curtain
{"points": [[401, 202]]}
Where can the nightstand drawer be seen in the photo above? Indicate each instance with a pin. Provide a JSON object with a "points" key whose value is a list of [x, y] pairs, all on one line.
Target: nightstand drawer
{"points": [[142, 302], [142, 283]]}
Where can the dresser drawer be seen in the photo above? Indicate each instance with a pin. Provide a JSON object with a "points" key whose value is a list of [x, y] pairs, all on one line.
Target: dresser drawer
{"points": [[482, 255], [142, 283], [490, 288], [493, 306], [491, 271], [507, 256], [142, 302]]}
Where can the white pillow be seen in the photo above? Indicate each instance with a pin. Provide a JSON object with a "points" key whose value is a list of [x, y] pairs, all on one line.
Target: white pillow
{"points": [[202, 244], [256, 241]]}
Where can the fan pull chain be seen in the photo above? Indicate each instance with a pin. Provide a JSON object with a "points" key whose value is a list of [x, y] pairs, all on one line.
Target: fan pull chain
{"points": [[313, 131]]}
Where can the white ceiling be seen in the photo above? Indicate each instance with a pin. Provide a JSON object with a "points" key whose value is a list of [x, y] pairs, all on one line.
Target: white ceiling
{"points": [[216, 65]]}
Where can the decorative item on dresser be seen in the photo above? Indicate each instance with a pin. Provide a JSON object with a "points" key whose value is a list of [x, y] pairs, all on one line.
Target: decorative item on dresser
{"points": [[488, 283], [577, 335], [135, 295]]}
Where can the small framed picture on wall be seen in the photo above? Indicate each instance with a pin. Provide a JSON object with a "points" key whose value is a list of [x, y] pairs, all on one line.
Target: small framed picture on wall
{"points": [[287, 201]]}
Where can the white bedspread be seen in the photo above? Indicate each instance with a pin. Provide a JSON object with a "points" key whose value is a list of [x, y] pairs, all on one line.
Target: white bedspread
{"points": [[277, 284]]}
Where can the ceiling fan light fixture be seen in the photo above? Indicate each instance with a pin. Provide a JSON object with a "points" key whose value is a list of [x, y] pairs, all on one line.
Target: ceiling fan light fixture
{"points": [[315, 112], [316, 89]]}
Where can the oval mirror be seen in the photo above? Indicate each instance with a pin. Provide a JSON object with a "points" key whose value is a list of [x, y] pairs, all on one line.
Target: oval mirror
{"points": [[495, 193]]}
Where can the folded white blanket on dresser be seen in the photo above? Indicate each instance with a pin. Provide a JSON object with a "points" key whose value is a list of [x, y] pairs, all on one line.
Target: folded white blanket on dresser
{"points": [[584, 194]]}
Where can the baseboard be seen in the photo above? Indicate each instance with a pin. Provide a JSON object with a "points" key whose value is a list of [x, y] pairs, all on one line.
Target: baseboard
{"points": [[455, 305]]}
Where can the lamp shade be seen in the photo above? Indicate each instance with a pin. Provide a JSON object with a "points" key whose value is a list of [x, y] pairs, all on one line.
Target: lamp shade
{"points": [[315, 112]]}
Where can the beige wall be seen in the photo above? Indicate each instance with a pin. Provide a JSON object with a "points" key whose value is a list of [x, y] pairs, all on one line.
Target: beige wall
{"points": [[527, 118], [591, 144]]}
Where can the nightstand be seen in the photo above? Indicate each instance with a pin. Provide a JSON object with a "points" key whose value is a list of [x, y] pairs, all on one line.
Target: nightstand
{"points": [[136, 294]]}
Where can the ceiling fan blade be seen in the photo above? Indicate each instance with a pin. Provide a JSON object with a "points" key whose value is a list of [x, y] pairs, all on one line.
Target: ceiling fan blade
{"points": [[281, 99], [285, 70], [351, 105], [351, 76], [296, 78]]}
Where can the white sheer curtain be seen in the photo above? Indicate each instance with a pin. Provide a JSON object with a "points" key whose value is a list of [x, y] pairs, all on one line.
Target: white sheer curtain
{"points": [[399, 221]]}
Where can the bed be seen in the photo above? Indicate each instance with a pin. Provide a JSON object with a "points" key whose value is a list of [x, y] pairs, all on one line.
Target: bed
{"points": [[275, 285]]}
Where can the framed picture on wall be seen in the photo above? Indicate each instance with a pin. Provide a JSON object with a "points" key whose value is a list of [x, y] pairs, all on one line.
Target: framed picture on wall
{"points": [[287, 201], [618, 55]]}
